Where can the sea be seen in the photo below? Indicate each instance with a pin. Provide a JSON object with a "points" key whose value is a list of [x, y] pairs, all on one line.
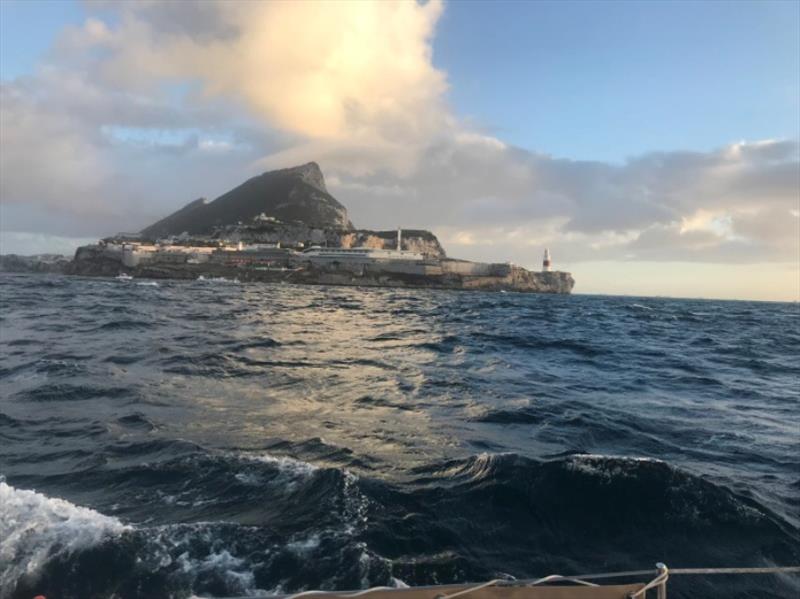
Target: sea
{"points": [[215, 439]]}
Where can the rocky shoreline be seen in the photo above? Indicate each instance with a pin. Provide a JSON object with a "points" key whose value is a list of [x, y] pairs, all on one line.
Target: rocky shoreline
{"points": [[92, 265], [518, 279]]}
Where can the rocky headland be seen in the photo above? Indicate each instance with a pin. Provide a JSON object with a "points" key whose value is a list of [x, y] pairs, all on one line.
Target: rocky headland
{"points": [[262, 231]]}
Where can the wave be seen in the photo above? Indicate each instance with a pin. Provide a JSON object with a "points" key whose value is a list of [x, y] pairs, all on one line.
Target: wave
{"points": [[209, 364], [293, 524], [524, 415], [260, 343], [286, 512], [121, 325], [641, 307], [256, 499], [526, 342], [590, 508], [136, 421], [36, 529], [69, 392], [48, 366], [49, 545]]}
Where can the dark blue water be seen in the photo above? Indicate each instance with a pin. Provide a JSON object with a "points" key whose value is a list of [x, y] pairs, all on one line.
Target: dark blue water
{"points": [[209, 438]]}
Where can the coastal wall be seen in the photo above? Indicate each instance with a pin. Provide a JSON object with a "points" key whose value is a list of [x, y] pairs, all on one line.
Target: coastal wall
{"points": [[518, 279], [432, 274], [378, 267], [475, 269]]}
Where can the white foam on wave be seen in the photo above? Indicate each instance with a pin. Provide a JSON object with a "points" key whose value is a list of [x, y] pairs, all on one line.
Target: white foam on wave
{"points": [[234, 570], [641, 307], [607, 466], [624, 458], [291, 471], [303, 547], [216, 279], [284, 463], [195, 550], [148, 284], [355, 505], [35, 528]]}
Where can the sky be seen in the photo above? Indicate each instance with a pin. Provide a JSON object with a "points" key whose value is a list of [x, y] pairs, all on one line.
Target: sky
{"points": [[652, 146]]}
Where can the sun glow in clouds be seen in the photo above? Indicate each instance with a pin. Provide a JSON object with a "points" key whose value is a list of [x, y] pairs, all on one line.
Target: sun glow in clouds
{"points": [[322, 70]]}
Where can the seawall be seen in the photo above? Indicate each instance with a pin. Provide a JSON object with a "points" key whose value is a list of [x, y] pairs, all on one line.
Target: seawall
{"points": [[433, 274]]}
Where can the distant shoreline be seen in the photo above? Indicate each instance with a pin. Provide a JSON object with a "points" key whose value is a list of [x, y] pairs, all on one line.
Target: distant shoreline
{"points": [[517, 279]]}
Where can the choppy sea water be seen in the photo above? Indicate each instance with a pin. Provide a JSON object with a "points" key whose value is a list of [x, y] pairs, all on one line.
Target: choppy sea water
{"points": [[209, 438]]}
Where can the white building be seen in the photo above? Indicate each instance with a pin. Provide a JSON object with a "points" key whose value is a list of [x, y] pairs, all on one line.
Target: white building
{"points": [[320, 254]]}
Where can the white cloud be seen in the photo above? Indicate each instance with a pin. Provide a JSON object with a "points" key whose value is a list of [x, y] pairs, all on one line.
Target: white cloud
{"points": [[354, 74], [670, 205], [46, 158]]}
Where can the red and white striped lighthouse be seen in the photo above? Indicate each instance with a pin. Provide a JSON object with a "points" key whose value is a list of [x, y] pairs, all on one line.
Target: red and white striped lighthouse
{"points": [[546, 263]]}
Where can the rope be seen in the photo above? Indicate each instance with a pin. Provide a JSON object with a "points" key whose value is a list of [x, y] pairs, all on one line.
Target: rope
{"points": [[662, 574], [551, 578], [558, 577], [686, 571], [353, 594], [776, 570], [491, 583], [600, 576], [658, 581]]}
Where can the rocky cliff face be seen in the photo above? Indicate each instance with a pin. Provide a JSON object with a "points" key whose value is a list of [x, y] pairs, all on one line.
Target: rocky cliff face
{"points": [[290, 195], [309, 173], [541, 282], [297, 234], [414, 240]]}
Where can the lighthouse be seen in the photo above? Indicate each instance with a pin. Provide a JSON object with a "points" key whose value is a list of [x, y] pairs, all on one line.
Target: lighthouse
{"points": [[546, 263]]}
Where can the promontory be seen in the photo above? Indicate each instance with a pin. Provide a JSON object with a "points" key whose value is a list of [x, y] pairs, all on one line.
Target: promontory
{"points": [[285, 226]]}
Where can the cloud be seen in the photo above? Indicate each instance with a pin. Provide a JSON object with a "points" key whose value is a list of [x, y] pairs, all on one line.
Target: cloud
{"points": [[47, 158], [736, 203], [358, 74], [78, 157]]}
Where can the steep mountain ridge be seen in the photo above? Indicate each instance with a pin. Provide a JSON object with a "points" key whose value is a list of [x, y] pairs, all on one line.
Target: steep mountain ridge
{"points": [[296, 194]]}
